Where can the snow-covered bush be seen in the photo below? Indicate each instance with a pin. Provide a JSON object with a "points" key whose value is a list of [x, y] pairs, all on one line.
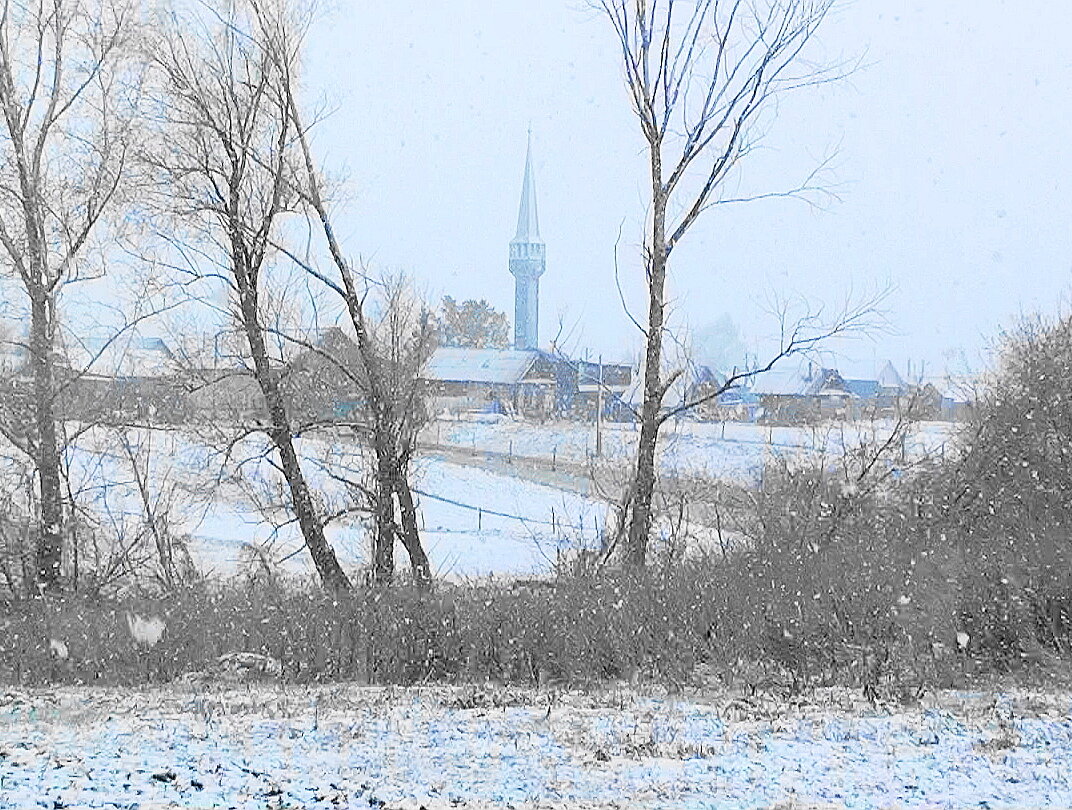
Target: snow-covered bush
{"points": [[1005, 499], [837, 576]]}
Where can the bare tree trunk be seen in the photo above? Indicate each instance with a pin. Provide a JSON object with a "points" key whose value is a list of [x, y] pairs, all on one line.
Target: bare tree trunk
{"points": [[654, 389], [327, 564], [383, 535], [392, 482], [410, 534], [49, 552], [282, 437]]}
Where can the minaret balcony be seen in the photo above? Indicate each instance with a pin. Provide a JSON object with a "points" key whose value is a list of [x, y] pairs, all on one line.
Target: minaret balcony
{"points": [[528, 250]]}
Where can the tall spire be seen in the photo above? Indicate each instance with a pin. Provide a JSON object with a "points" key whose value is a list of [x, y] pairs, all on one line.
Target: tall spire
{"points": [[528, 221], [527, 262]]}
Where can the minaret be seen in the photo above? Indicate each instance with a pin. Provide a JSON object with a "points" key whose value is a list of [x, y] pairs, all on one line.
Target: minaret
{"points": [[527, 263]]}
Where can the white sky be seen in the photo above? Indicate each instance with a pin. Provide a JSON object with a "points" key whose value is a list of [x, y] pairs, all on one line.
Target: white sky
{"points": [[953, 166]]}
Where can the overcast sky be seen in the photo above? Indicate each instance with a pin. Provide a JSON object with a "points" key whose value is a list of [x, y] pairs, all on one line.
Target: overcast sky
{"points": [[953, 165]]}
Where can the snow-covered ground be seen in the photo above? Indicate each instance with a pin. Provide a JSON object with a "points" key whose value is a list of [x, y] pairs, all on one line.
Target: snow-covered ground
{"points": [[497, 524], [728, 450], [474, 522], [343, 746]]}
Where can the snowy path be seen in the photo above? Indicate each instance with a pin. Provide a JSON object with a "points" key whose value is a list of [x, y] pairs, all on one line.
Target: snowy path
{"points": [[568, 476], [440, 747], [731, 450]]}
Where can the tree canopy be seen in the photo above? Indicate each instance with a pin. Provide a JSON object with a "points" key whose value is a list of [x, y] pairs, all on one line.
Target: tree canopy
{"points": [[472, 324]]}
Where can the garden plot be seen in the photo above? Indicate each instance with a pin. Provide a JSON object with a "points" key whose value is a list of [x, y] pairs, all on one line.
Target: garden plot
{"points": [[342, 746]]}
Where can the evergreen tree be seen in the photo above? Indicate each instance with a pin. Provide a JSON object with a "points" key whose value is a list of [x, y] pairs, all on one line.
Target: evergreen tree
{"points": [[472, 325]]}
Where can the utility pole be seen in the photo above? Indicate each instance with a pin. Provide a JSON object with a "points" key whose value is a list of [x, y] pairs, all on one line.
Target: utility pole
{"points": [[599, 411]]}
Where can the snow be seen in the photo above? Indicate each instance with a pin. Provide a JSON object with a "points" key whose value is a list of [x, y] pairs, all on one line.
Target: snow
{"points": [[733, 450], [439, 747], [465, 541], [474, 521]]}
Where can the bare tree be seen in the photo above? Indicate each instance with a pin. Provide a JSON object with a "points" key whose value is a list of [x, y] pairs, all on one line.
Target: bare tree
{"points": [[391, 348], [700, 75], [396, 349], [390, 374], [390, 412], [228, 171], [68, 96]]}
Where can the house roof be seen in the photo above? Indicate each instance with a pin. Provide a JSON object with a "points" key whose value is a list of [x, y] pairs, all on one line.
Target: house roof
{"points": [[615, 377], [954, 387], [864, 389], [798, 383], [889, 378], [780, 383], [126, 355], [705, 375], [223, 351], [332, 341], [503, 366]]}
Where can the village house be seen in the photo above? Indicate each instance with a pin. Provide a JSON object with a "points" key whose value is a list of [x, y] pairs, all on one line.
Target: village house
{"points": [[321, 381], [493, 380], [126, 377], [531, 383], [808, 394], [215, 377], [600, 384]]}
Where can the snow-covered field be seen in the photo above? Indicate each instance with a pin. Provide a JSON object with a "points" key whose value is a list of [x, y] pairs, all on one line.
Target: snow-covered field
{"points": [[498, 524], [439, 747], [474, 522], [727, 450]]}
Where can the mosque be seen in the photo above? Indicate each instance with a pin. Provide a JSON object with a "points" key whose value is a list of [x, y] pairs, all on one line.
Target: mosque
{"points": [[526, 379]]}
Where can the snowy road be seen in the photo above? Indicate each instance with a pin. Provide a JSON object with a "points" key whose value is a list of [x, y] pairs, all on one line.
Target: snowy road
{"points": [[444, 747]]}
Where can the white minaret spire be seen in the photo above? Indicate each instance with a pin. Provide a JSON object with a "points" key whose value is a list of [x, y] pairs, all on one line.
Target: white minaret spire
{"points": [[528, 220], [527, 261]]}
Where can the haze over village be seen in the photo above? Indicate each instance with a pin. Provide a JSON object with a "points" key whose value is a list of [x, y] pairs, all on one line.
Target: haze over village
{"points": [[625, 403]]}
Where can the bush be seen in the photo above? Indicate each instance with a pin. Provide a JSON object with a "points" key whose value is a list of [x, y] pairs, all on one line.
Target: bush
{"points": [[574, 631], [1006, 500]]}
